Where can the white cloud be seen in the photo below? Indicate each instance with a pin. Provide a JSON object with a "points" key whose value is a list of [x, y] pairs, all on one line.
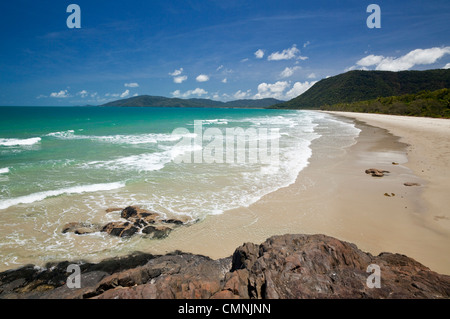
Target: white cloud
{"points": [[447, 66], [306, 44], [244, 60], [312, 76], [198, 92], [220, 67], [259, 54], [287, 72], [299, 88], [370, 60], [202, 78], [241, 95], [176, 93], [287, 54], [405, 62], [224, 80], [176, 72], [60, 95], [125, 94], [131, 85], [180, 79], [282, 90], [274, 90], [83, 93]]}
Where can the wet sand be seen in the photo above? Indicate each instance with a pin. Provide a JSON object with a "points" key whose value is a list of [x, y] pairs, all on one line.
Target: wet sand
{"points": [[334, 196]]}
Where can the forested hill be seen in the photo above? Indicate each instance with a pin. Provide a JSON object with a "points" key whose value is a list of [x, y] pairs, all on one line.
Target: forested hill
{"points": [[160, 101], [356, 86]]}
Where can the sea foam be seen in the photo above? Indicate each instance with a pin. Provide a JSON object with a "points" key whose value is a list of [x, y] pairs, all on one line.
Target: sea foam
{"points": [[28, 199], [19, 142]]}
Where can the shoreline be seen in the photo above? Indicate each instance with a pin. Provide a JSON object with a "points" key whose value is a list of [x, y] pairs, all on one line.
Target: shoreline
{"points": [[334, 196]]}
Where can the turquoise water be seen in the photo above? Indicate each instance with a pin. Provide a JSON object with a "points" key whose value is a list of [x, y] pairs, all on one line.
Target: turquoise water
{"points": [[59, 165]]}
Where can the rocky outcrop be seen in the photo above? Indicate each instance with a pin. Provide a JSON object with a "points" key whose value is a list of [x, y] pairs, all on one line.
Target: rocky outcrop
{"points": [[376, 172], [286, 267], [135, 220]]}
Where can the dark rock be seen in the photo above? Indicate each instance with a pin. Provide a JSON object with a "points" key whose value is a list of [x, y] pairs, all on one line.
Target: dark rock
{"points": [[286, 267], [137, 220], [120, 229], [376, 172], [157, 232], [411, 184]]}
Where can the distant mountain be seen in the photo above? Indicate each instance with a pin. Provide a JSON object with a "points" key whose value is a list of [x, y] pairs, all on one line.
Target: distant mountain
{"points": [[356, 86], [160, 101]]}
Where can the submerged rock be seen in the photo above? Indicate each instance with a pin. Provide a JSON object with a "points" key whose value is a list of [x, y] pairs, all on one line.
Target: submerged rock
{"points": [[136, 220], [80, 228]]}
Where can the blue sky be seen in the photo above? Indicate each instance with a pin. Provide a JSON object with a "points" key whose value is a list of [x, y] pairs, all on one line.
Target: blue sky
{"points": [[223, 50]]}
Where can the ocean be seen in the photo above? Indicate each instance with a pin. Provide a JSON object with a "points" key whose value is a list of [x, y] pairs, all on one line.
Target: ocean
{"points": [[69, 164]]}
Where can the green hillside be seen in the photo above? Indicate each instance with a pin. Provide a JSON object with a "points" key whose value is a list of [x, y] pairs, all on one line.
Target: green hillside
{"points": [[366, 85], [425, 103]]}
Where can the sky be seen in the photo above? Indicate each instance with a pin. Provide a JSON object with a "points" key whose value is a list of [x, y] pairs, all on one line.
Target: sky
{"points": [[222, 50]]}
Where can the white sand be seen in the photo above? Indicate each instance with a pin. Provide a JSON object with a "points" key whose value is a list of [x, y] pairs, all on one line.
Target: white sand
{"points": [[334, 196]]}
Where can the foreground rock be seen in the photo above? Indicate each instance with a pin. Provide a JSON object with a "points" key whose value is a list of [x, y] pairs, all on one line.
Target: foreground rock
{"points": [[135, 220], [288, 266]]}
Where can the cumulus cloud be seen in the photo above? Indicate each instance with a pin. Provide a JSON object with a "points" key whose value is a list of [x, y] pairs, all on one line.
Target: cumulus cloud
{"points": [[176, 72], [224, 80], [259, 54], [447, 66], [131, 85], [198, 92], [83, 93], [202, 78], [125, 94], [180, 79], [287, 72], [312, 76], [282, 89], [286, 54], [299, 88], [241, 95], [60, 95], [405, 62]]}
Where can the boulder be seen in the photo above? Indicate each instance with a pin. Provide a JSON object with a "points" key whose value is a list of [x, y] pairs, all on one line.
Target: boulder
{"points": [[157, 232], [120, 229], [138, 220], [283, 267]]}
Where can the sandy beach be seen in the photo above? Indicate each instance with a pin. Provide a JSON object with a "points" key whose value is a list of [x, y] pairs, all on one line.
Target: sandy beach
{"points": [[334, 196]]}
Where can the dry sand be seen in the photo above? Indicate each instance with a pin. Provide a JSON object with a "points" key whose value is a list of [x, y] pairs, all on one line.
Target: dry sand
{"points": [[334, 196]]}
